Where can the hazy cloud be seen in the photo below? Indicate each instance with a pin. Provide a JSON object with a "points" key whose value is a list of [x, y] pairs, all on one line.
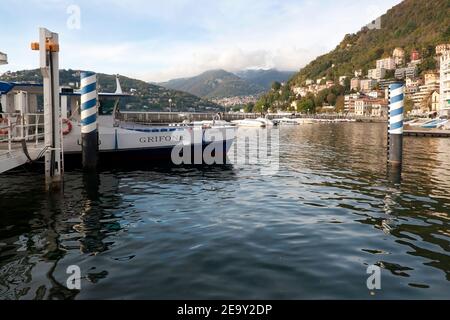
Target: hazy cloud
{"points": [[160, 40]]}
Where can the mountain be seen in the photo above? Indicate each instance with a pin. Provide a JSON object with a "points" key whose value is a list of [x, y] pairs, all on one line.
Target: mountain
{"points": [[215, 84], [145, 96], [264, 78], [412, 24]]}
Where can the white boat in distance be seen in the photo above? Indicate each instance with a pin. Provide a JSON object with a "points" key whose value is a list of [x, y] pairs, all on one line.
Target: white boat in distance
{"points": [[254, 123], [267, 121], [286, 122]]}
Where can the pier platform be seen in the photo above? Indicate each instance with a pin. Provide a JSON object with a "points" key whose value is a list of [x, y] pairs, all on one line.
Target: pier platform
{"points": [[427, 133], [14, 156]]}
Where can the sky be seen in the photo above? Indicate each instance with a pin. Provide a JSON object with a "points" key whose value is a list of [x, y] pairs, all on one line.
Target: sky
{"points": [[165, 39]]}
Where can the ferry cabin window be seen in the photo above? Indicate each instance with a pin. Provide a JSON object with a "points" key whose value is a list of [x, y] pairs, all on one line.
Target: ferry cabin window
{"points": [[106, 106]]}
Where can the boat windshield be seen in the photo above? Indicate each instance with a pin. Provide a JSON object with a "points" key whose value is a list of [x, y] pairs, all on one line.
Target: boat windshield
{"points": [[111, 102], [107, 106]]}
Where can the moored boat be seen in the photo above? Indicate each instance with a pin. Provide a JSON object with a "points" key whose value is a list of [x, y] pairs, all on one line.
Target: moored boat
{"points": [[286, 121], [121, 142], [250, 123], [434, 124]]}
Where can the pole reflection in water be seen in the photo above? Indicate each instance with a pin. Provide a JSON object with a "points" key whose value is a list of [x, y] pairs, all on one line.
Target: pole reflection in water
{"points": [[91, 215], [394, 174], [53, 207]]}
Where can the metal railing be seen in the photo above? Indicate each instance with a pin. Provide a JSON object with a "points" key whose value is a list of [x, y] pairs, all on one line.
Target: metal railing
{"points": [[16, 127], [174, 117]]}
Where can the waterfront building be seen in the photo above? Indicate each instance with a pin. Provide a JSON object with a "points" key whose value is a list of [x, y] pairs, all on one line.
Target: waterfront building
{"points": [[412, 86], [355, 84], [431, 77], [380, 109], [376, 74], [445, 84], [319, 80], [363, 107], [300, 91], [442, 49], [367, 106], [349, 102], [435, 101], [384, 83], [387, 63], [410, 72], [399, 56], [423, 93], [376, 94], [236, 101], [368, 84], [413, 82], [415, 55]]}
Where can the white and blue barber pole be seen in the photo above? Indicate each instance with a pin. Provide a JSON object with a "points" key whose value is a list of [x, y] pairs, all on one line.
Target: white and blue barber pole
{"points": [[396, 110], [89, 109]]}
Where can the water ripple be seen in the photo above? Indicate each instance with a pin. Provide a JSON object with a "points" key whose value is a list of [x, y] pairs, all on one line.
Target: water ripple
{"points": [[309, 231]]}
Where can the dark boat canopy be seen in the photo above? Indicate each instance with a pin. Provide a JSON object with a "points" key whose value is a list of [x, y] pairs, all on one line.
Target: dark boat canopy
{"points": [[37, 88]]}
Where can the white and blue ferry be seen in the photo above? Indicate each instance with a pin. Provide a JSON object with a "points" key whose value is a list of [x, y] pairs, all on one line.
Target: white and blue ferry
{"points": [[121, 142]]}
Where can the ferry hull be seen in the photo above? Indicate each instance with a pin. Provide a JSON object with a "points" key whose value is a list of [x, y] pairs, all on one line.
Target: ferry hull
{"points": [[161, 156], [119, 147]]}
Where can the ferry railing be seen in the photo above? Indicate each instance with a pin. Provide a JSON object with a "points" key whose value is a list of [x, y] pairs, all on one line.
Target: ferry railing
{"points": [[5, 132], [17, 127]]}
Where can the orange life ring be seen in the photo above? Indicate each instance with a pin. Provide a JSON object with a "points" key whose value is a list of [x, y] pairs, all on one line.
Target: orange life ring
{"points": [[69, 126]]}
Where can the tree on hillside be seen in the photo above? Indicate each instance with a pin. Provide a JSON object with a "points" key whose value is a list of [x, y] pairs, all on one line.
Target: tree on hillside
{"points": [[408, 104], [410, 24], [337, 89], [331, 99], [305, 105], [427, 64], [321, 97], [249, 107], [285, 94], [347, 85], [340, 104], [276, 86]]}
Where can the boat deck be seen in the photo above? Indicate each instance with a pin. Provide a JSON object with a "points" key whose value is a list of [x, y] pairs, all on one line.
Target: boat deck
{"points": [[10, 159]]}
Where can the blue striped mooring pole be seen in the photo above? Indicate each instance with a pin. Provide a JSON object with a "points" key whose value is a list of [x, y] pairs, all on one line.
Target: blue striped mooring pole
{"points": [[395, 134], [89, 108]]}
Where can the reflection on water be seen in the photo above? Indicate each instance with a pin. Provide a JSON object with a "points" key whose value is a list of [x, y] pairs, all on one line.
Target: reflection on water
{"points": [[309, 231]]}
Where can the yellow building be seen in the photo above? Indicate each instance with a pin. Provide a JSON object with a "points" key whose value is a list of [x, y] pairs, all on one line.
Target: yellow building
{"points": [[435, 101], [431, 77]]}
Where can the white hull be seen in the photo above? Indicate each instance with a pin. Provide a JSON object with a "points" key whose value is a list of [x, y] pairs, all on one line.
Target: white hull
{"points": [[286, 121], [140, 137], [254, 123], [267, 122]]}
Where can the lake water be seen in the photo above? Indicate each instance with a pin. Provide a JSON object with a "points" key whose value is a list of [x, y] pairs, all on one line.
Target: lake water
{"points": [[309, 231]]}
